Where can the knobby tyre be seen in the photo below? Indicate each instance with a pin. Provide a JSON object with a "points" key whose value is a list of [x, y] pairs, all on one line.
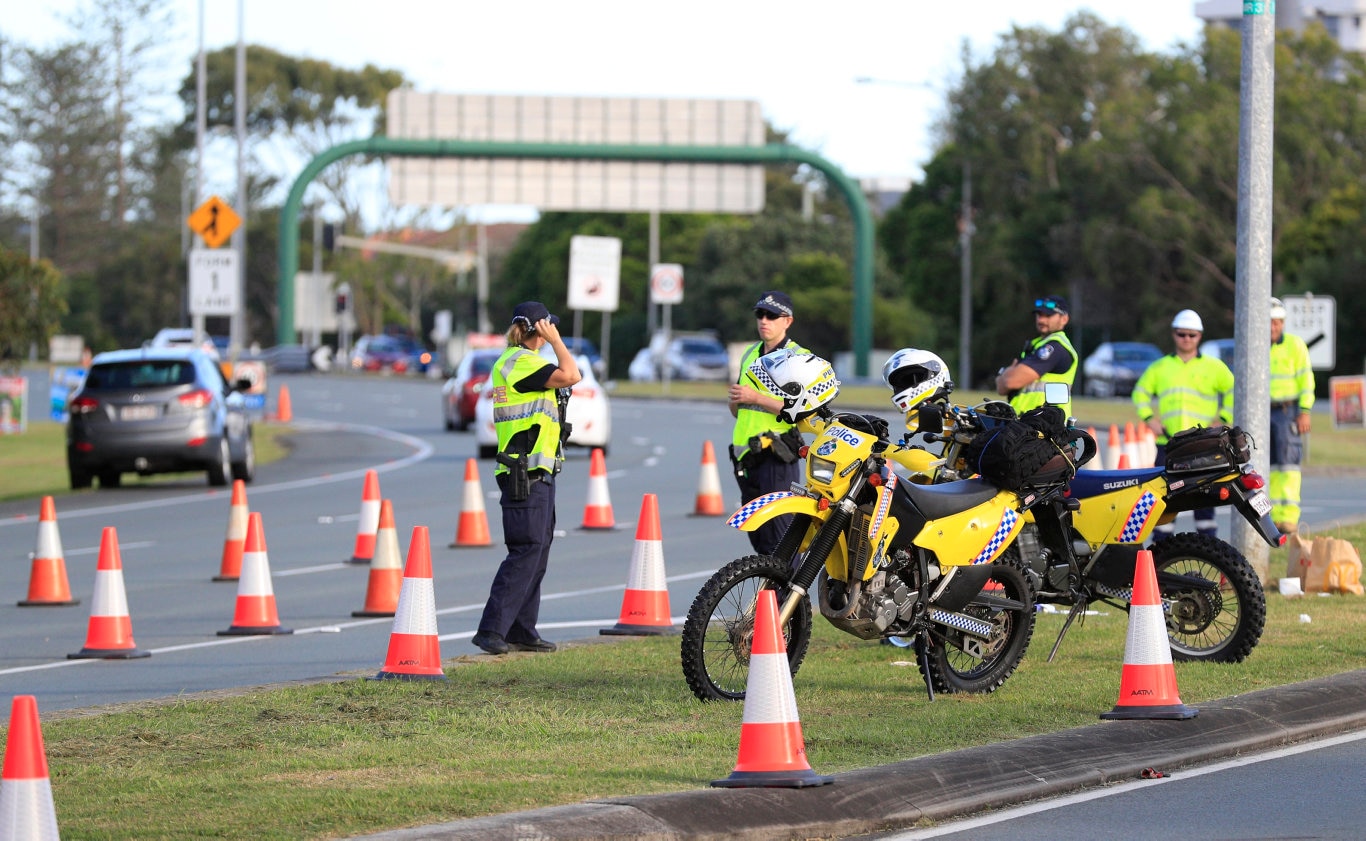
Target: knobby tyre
{"points": [[719, 630], [960, 662], [1216, 625]]}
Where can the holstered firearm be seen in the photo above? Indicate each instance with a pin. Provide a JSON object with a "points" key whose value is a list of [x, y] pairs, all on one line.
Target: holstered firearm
{"points": [[518, 475], [562, 396]]}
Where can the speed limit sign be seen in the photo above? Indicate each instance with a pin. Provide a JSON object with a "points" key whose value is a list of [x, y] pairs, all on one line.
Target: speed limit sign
{"points": [[666, 284]]}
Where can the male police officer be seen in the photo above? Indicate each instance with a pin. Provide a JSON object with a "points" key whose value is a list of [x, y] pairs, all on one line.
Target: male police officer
{"points": [[1191, 390], [1048, 357], [527, 417], [1292, 396], [763, 449]]}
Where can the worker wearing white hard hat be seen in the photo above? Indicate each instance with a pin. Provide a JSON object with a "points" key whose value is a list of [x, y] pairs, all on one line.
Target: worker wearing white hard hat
{"points": [[1292, 397], [1190, 390]]}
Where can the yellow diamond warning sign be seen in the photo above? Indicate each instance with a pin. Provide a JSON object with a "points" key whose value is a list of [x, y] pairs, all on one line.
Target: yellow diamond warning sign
{"points": [[214, 221]]}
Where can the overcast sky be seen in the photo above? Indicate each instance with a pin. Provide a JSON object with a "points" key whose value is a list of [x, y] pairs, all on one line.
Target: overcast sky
{"points": [[799, 60]]}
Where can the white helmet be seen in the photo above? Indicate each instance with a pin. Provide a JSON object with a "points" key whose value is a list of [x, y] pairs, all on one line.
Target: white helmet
{"points": [[802, 381], [1188, 320], [1277, 309], [914, 375]]}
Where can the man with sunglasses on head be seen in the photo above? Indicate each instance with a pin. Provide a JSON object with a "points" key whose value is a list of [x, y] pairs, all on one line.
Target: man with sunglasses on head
{"points": [[1191, 390], [763, 449], [1048, 357]]}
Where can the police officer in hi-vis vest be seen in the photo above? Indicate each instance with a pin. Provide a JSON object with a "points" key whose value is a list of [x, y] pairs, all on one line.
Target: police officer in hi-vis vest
{"points": [[1048, 357], [763, 449], [528, 418]]}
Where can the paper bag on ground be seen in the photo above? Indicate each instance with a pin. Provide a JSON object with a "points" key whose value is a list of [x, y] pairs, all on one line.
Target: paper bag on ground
{"points": [[1298, 558], [1341, 564]]}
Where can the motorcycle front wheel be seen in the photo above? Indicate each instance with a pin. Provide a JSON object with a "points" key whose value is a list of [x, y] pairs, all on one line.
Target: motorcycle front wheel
{"points": [[962, 662], [1219, 624], [719, 630]]}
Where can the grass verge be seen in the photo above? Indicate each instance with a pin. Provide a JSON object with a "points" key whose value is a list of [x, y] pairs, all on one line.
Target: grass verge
{"points": [[594, 720]]}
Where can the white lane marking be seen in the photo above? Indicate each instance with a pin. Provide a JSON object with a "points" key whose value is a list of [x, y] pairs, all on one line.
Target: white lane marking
{"points": [[123, 547]]}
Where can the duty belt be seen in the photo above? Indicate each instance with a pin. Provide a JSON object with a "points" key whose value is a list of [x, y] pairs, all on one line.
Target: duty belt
{"points": [[1285, 404]]}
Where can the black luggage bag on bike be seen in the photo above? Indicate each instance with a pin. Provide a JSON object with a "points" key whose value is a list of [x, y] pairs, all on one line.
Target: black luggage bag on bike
{"points": [[1202, 449], [1036, 449]]}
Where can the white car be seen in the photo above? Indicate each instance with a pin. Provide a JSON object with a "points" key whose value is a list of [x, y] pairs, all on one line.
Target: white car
{"points": [[589, 412], [183, 337]]}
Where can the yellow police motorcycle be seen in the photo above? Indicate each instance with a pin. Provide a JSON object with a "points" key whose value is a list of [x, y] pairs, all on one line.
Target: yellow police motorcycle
{"points": [[1212, 598], [880, 556]]}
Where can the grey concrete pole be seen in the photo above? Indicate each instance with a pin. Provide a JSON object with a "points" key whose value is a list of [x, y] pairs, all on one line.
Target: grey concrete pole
{"points": [[238, 333], [1252, 308]]}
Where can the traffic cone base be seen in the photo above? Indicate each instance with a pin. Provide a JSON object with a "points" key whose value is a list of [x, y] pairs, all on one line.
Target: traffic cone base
{"points": [[230, 569], [1147, 686], [255, 612], [109, 635], [709, 502], [26, 807], [645, 607], [386, 570], [369, 520], [772, 752], [597, 511], [47, 582], [473, 528], [414, 649]]}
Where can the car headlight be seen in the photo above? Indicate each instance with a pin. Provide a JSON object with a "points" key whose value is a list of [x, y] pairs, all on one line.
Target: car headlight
{"points": [[820, 470]]}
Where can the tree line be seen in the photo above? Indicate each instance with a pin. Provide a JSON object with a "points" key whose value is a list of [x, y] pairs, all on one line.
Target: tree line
{"points": [[1101, 171]]}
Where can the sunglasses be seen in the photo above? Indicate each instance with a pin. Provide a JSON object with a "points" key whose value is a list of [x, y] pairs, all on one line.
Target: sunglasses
{"points": [[765, 315], [1051, 306], [1184, 334]]}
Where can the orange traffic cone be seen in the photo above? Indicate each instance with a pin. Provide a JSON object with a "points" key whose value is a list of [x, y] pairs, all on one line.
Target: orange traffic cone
{"points": [[26, 810], [255, 612], [414, 650], [1123, 462], [597, 512], [645, 609], [1113, 448], [1131, 444], [47, 584], [1147, 686], [386, 573], [109, 635], [231, 567], [369, 520], [284, 409], [1094, 463], [772, 753], [473, 528], [1148, 440], [709, 502]]}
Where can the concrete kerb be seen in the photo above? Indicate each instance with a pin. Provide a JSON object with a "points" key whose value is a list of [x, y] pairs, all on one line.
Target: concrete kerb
{"points": [[939, 787]]}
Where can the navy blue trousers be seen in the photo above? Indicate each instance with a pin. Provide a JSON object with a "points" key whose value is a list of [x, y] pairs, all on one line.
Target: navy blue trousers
{"points": [[515, 598]]}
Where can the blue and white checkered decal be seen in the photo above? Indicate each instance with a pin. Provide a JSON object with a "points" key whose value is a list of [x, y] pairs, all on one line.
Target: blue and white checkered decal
{"points": [[1003, 530], [880, 515], [1138, 518], [749, 509]]}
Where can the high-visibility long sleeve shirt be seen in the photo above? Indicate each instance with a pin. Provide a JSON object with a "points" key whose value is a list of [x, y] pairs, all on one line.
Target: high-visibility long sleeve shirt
{"points": [[1292, 377], [1196, 392]]}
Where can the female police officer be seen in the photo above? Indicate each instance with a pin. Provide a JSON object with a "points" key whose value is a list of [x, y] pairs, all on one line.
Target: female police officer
{"points": [[527, 419]]}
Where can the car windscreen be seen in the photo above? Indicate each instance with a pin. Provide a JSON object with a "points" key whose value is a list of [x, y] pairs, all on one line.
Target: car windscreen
{"points": [[1136, 354], [141, 374], [700, 347]]}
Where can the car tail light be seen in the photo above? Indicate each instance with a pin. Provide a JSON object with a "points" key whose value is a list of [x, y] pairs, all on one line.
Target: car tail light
{"points": [[1252, 481], [83, 405], [195, 442], [197, 399]]}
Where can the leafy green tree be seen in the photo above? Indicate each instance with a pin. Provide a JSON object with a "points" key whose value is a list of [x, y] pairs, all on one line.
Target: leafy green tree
{"points": [[31, 305]]}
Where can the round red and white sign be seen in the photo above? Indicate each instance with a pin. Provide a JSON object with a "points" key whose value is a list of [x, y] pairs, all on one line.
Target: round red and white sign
{"points": [[666, 284]]}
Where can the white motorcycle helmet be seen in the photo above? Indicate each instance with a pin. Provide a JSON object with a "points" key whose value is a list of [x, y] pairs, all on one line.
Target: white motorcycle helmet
{"points": [[803, 382], [913, 376]]}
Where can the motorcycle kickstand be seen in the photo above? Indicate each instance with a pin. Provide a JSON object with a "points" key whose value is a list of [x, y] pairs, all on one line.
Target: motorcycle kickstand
{"points": [[922, 651], [1078, 609]]}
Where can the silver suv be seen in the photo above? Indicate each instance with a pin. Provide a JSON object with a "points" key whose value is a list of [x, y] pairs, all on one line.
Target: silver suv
{"points": [[157, 410]]}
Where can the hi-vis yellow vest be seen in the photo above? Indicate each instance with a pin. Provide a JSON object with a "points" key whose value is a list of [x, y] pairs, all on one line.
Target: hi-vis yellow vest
{"points": [[515, 411], [1031, 396], [750, 420]]}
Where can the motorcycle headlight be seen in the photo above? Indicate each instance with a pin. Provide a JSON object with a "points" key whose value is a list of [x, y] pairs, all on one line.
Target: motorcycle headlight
{"points": [[820, 470]]}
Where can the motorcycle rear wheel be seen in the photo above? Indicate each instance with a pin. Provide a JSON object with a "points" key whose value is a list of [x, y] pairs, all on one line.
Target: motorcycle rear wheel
{"points": [[960, 662], [1214, 626], [719, 630]]}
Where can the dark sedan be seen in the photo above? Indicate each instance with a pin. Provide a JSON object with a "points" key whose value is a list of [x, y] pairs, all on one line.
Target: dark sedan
{"points": [[157, 410]]}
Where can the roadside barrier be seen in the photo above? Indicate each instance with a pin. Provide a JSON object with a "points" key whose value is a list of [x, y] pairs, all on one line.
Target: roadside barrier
{"points": [[645, 607], [414, 650], [255, 612], [230, 569], [26, 809], [597, 511], [369, 520], [1147, 685], [47, 582], [772, 753], [386, 571], [473, 527], [109, 636], [709, 502]]}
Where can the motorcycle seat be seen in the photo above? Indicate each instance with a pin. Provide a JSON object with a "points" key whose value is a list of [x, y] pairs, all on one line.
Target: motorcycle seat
{"points": [[935, 501], [1088, 483]]}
